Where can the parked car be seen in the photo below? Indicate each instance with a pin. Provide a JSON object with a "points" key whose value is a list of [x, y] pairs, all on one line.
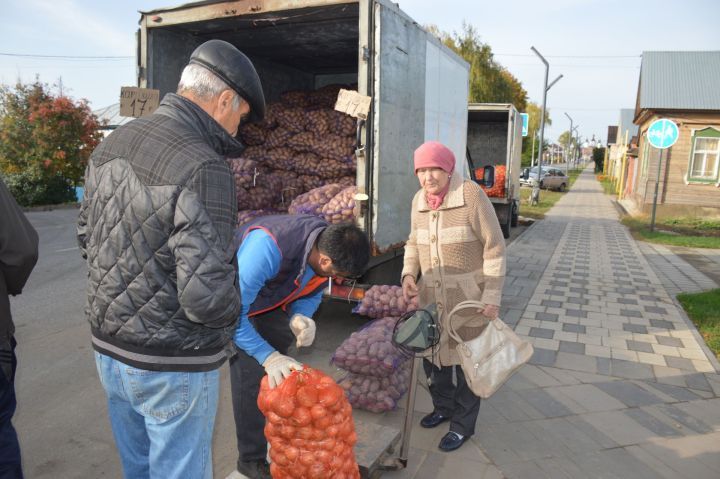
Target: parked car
{"points": [[551, 178]]}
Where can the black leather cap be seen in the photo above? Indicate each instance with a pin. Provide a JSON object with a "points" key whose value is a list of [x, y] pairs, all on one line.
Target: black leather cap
{"points": [[235, 69]]}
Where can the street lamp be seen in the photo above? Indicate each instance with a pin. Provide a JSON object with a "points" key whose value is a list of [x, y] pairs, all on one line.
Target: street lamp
{"points": [[567, 160], [546, 87]]}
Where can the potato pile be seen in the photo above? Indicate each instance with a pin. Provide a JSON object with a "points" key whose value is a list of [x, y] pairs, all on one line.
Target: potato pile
{"points": [[302, 144], [309, 426], [340, 209], [377, 394], [313, 202], [382, 300], [377, 376]]}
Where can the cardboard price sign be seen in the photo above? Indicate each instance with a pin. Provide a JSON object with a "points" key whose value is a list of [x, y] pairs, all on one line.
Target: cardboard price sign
{"points": [[353, 104], [138, 102]]}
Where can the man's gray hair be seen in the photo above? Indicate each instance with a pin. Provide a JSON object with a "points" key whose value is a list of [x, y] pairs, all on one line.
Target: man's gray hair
{"points": [[204, 84]]}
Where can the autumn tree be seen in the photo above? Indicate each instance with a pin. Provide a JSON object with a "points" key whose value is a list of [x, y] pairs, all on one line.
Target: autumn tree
{"points": [[45, 142], [490, 82]]}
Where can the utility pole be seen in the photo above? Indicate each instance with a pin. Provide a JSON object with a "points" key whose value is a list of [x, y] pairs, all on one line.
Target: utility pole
{"points": [[567, 159], [546, 87]]}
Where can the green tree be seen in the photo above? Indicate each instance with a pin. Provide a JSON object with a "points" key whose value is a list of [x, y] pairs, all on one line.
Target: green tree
{"points": [[490, 82], [45, 142]]}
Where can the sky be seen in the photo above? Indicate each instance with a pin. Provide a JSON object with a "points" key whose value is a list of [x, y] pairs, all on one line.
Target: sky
{"points": [[596, 46]]}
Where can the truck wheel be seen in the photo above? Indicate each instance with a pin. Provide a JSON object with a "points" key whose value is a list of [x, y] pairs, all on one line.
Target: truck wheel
{"points": [[514, 216], [506, 228], [562, 187]]}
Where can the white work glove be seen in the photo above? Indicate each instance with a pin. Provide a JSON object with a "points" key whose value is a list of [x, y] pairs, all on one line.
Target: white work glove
{"points": [[278, 367], [303, 328]]}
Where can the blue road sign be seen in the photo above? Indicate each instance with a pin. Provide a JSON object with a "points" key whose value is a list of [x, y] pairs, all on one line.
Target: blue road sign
{"points": [[525, 124], [663, 133]]}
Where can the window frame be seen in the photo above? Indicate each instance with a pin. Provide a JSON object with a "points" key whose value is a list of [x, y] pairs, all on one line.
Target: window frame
{"points": [[708, 132]]}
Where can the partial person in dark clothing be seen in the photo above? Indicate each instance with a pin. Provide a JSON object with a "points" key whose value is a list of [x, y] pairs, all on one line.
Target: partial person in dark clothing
{"points": [[156, 226], [18, 255], [284, 265]]}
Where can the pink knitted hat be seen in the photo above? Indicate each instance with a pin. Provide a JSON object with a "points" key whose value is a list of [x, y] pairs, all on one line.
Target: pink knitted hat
{"points": [[433, 154]]}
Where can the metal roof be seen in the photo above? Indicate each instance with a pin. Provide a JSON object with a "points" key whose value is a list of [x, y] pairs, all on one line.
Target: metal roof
{"points": [[679, 81]]}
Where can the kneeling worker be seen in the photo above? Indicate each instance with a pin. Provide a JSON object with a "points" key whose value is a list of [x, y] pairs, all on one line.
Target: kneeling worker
{"points": [[284, 262]]}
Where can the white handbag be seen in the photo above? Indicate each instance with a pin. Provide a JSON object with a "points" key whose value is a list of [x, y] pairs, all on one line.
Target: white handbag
{"points": [[491, 358]]}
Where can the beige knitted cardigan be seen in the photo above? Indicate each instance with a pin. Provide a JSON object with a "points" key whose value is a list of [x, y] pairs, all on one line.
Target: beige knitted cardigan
{"points": [[460, 251]]}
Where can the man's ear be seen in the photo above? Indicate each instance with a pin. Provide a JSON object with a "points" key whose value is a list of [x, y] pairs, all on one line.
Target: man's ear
{"points": [[325, 260], [225, 100]]}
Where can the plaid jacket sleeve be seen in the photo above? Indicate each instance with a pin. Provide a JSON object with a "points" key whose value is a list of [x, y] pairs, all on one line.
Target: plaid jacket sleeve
{"points": [[202, 246]]}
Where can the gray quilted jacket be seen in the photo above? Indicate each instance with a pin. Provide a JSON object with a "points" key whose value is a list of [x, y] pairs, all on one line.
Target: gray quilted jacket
{"points": [[156, 227]]}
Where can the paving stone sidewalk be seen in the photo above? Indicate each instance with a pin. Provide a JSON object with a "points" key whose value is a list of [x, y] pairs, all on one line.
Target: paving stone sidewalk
{"points": [[683, 270], [620, 385]]}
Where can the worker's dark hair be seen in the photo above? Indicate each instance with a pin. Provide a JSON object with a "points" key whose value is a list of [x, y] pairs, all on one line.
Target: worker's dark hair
{"points": [[347, 246]]}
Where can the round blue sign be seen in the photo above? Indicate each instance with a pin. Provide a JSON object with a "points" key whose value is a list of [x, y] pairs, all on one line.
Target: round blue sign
{"points": [[663, 133]]}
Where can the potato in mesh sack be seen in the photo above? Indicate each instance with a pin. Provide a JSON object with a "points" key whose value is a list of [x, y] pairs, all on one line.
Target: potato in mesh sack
{"points": [[310, 182], [245, 172], [381, 301], [257, 198], [323, 121], [278, 137], [370, 350], [303, 142], [327, 95], [279, 158], [296, 98], [312, 202], [292, 119], [345, 181], [252, 134], [246, 215], [333, 146], [377, 394], [341, 208], [292, 187]]}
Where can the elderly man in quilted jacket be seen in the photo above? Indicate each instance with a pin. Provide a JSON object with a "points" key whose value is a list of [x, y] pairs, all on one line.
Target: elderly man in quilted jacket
{"points": [[156, 227]]}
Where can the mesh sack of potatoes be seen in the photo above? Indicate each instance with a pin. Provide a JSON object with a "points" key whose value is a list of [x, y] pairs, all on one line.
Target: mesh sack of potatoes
{"points": [[323, 121], [252, 134], [278, 137], [312, 202], [340, 209], [377, 394], [310, 164], [292, 187], [296, 98], [279, 158], [381, 301], [310, 182], [255, 153], [304, 142], [345, 181], [326, 96], [293, 119], [333, 146], [245, 172], [272, 112], [246, 215]]}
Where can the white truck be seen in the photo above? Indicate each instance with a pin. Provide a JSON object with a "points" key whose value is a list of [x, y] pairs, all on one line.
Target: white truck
{"points": [[494, 138], [418, 86]]}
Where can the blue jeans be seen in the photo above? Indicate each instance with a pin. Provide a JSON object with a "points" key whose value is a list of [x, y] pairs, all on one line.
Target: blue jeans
{"points": [[9, 447], [162, 421]]}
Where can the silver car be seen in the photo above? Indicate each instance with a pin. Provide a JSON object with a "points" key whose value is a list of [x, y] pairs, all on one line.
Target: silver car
{"points": [[551, 178]]}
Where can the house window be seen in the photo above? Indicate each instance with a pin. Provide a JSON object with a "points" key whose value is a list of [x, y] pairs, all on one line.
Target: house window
{"points": [[705, 156]]}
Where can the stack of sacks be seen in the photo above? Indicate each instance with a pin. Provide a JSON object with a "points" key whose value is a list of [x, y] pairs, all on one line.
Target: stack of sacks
{"points": [[302, 144]]}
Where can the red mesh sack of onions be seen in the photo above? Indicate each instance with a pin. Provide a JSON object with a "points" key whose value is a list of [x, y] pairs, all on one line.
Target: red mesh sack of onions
{"points": [[377, 394], [341, 208], [370, 350], [309, 427], [312, 202], [382, 301]]}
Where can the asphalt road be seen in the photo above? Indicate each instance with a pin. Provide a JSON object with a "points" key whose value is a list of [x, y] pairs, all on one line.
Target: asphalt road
{"points": [[62, 416]]}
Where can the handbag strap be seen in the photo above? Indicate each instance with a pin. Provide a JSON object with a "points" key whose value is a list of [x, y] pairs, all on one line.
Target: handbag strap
{"points": [[469, 304]]}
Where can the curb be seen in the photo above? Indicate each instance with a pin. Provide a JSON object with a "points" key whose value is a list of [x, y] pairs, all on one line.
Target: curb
{"points": [[64, 206]]}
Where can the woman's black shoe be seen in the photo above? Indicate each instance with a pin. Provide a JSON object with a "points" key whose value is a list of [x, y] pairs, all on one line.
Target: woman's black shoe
{"points": [[452, 441], [433, 419]]}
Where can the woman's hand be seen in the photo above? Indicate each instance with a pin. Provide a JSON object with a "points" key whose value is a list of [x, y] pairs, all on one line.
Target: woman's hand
{"points": [[409, 287], [491, 311]]}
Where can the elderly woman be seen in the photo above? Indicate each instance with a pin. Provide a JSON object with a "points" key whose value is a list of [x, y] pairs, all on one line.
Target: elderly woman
{"points": [[457, 249]]}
